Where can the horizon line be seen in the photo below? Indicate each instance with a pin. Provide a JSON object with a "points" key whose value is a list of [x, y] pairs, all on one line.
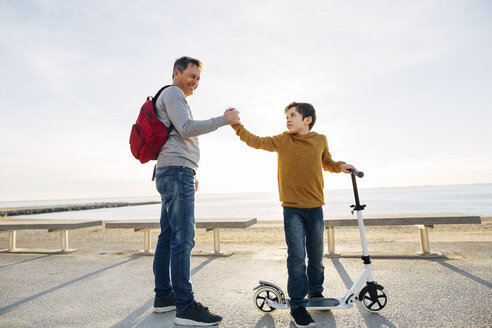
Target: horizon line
{"points": [[249, 192]]}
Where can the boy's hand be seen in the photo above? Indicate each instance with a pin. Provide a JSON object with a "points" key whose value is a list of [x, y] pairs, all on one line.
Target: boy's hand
{"points": [[232, 116], [346, 167]]}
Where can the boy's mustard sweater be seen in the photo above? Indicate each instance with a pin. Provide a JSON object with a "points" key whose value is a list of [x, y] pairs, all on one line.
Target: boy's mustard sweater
{"points": [[301, 159]]}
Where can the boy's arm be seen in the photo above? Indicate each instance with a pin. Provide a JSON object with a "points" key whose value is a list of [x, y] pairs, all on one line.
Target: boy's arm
{"points": [[328, 163], [265, 143]]}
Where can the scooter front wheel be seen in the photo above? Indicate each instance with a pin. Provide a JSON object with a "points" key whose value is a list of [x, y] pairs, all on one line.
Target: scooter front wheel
{"points": [[261, 296], [373, 298]]}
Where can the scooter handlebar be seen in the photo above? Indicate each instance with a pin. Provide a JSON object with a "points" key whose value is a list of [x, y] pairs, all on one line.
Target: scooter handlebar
{"points": [[359, 174]]}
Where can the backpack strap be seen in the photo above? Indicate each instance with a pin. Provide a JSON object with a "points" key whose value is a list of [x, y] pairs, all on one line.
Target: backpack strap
{"points": [[155, 99], [153, 174]]}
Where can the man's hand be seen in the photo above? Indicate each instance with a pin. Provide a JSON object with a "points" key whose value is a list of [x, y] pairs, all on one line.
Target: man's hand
{"points": [[196, 185], [346, 167], [232, 116]]}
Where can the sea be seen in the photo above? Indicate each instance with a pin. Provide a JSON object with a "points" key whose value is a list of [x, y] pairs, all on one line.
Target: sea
{"points": [[475, 199]]}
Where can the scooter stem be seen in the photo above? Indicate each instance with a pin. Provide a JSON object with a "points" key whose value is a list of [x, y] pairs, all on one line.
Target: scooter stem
{"points": [[358, 208], [365, 251]]}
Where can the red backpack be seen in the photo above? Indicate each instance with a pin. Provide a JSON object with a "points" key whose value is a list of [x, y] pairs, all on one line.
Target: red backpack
{"points": [[148, 133]]}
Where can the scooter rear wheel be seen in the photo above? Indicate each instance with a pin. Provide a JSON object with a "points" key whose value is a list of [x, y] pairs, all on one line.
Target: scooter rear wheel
{"points": [[264, 293], [373, 298]]}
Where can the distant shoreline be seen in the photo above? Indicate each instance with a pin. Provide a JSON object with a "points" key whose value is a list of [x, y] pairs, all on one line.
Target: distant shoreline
{"points": [[471, 199], [15, 211], [199, 194]]}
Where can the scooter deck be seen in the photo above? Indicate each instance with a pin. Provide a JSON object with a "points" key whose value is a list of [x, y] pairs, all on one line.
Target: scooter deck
{"points": [[314, 303]]}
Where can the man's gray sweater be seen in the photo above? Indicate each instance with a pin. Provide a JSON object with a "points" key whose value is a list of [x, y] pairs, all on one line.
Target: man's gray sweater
{"points": [[182, 148]]}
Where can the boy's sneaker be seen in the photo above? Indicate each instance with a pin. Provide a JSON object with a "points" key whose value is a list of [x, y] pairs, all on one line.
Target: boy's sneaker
{"points": [[164, 305], [315, 295], [197, 315], [301, 317]]}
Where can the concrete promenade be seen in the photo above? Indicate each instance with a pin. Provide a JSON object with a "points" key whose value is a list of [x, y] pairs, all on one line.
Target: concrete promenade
{"points": [[106, 284]]}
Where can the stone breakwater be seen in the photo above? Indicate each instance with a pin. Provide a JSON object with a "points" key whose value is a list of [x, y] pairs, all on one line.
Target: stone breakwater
{"points": [[13, 211]]}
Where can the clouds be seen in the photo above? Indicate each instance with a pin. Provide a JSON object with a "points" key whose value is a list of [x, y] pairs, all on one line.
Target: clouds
{"points": [[396, 85]]}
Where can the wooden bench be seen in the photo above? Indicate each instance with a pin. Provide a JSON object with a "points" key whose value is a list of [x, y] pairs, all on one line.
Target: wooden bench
{"points": [[214, 225], [422, 221], [63, 226]]}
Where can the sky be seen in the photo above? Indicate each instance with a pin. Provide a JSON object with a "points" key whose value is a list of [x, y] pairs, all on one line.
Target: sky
{"points": [[402, 89]]}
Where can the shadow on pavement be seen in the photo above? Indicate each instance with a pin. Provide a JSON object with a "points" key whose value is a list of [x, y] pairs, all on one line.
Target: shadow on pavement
{"points": [[24, 261], [141, 317], [201, 265], [17, 304], [465, 273], [370, 318], [265, 322]]}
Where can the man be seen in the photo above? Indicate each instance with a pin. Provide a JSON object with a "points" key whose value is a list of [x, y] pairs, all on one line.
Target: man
{"points": [[175, 181]]}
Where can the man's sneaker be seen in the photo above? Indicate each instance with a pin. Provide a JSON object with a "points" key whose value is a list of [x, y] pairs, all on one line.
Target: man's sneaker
{"points": [[164, 305], [197, 315], [301, 317], [315, 295]]}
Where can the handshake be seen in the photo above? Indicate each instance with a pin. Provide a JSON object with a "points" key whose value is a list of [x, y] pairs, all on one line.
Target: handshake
{"points": [[232, 116]]}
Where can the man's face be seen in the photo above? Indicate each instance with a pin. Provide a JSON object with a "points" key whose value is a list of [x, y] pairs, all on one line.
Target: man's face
{"points": [[295, 122], [188, 80]]}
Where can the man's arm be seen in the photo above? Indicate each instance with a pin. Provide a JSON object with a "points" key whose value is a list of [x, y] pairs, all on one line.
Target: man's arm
{"points": [[265, 143], [177, 111]]}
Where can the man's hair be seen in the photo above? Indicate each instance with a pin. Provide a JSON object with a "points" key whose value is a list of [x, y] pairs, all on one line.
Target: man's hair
{"points": [[305, 110], [181, 64]]}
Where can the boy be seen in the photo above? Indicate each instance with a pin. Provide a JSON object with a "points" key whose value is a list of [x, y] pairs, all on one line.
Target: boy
{"points": [[301, 157]]}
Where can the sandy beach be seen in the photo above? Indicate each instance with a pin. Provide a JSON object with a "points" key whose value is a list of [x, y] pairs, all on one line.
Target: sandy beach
{"points": [[106, 283]]}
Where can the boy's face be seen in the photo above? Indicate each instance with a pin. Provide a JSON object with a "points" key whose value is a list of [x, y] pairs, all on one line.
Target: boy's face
{"points": [[188, 80], [295, 122]]}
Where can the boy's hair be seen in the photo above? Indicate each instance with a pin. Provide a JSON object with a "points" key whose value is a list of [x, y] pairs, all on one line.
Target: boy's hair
{"points": [[305, 110], [182, 63]]}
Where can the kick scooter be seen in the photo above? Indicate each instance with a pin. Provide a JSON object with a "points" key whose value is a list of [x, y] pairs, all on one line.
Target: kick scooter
{"points": [[269, 297]]}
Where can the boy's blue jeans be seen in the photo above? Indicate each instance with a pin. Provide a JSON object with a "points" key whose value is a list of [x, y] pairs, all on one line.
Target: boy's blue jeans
{"points": [[176, 185], [304, 233]]}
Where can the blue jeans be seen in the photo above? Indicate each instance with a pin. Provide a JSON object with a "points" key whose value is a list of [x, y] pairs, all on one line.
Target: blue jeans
{"points": [[304, 233], [177, 188]]}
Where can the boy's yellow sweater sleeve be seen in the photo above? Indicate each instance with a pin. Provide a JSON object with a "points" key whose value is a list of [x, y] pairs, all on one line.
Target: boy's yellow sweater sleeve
{"points": [[328, 163], [265, 143]]}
